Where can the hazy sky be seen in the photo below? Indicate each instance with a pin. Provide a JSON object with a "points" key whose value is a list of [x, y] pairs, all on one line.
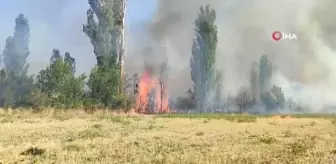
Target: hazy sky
{"points": [[58, 24]]}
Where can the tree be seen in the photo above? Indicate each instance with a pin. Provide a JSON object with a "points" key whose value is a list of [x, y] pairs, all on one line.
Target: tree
{"points": [[219, 82], [103, 29], [254, 83], [279, 96], [243, 100], [162, 82], [128, 81], [55, 56], [16, 49], [265, 73], [202, 61], [271, 96], [71, 61], [187, 102], [16, 87], [104, 82], [59, 83], [107, 32], [119, 11]]}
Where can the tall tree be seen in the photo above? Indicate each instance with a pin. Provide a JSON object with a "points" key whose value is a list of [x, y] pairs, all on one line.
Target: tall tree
{"points": [[16, 49], [254, 82], [279, 96], [106, 35], [270, 95], [265, 76], [16, 87], [265, 73], [202, 61]]}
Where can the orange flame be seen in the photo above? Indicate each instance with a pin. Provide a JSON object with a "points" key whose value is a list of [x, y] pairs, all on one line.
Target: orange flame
{"points": [[148, 86]]}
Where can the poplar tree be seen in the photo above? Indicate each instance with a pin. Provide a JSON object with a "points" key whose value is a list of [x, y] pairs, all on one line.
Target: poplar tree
{"points": [[202, 62]]}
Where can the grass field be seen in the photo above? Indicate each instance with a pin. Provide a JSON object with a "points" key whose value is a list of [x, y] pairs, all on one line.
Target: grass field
{"points": [[103, 137]]}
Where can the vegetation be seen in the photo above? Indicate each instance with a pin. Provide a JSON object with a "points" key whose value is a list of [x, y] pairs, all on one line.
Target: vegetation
{"points": [[106, 86], [106, 137], [202, 62], [271, 97], [59, 116], [57, 85]]}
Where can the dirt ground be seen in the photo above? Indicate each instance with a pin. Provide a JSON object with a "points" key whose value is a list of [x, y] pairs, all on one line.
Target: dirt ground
{"points": [[78, 137]]}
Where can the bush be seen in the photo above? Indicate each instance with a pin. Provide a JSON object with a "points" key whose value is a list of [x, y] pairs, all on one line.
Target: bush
{"points": [[122, 102], [92, 104]]}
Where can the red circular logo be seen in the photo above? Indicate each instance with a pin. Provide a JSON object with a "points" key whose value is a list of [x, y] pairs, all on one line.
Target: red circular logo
{"points": [[277, 35]]}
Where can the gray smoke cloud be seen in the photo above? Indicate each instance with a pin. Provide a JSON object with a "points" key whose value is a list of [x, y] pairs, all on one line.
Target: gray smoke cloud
{"points": [[306, 70]]}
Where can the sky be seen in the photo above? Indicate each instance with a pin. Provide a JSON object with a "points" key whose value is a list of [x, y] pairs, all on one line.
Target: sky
{"points": [[58, 24]]}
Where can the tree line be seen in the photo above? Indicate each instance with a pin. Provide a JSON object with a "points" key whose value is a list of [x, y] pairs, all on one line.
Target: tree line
{"points": [[57, 85]]}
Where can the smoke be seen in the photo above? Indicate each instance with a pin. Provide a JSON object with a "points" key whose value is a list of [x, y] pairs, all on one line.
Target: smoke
{"points": [[306, 69]]}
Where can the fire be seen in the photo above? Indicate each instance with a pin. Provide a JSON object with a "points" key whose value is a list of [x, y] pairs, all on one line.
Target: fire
{"points": [[152, 96]]}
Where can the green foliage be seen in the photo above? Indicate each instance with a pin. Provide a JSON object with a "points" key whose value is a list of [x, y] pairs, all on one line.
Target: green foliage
{"points": [[104, 84], [38, 100], [202, 61], [60, 85], [101, 31], [105, 81]]}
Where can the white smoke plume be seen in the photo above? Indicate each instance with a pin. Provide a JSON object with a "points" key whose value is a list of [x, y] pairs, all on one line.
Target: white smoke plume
{"points": [[307, 72]]}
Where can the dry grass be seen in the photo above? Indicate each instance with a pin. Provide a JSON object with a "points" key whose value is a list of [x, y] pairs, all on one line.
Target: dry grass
{"points": [[103, 137]]}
